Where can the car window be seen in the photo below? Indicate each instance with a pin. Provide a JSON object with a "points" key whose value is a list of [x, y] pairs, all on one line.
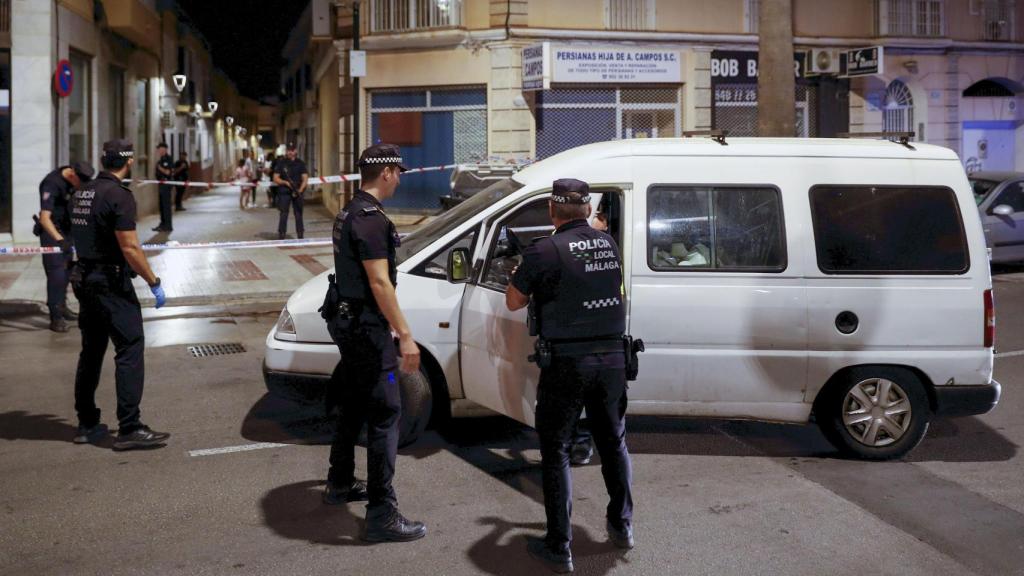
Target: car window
{"points": [[715, 228], [515, 232], [1012, 196], [436, 266], [888, 230], [981, 189]]}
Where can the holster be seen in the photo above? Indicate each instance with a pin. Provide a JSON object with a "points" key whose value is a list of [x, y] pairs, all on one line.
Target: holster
{"points": [[632, 348], [75, 276], [331, 299], [542, 353]]}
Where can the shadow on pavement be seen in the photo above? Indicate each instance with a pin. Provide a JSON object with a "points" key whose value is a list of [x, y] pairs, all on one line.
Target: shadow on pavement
{"points": [[296, 511], [18, 315], [20, 425], [274, 419]]}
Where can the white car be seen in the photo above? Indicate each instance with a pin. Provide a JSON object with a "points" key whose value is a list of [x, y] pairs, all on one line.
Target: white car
{"points": [[771, 279]]}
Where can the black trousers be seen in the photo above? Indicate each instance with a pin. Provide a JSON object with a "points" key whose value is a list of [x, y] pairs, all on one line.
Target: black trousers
{"points": [[179, 196], [166, 211], [597, 382], [284, 199], [56, 268], [109, 311], [365, 387]]}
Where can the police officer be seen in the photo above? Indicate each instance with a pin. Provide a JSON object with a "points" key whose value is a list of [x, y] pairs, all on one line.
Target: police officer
{"points": [[361, 311], [575, 280], [164, 171], [181, 168], [109, 255], [291, 176], [55, 230]]}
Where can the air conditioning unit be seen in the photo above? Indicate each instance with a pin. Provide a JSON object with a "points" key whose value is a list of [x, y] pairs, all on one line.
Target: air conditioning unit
{"points": [[822, 61]]}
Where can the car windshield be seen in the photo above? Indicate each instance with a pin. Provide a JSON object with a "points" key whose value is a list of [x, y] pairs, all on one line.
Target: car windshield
{"points": [[982, 188], [453, 218]]}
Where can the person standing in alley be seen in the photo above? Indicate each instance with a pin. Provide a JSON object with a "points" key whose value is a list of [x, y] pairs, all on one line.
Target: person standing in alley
{"points": [[164, 171], [181, 168], [291, 177]]}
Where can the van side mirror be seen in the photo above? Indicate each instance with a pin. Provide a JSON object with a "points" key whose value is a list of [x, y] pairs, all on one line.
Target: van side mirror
{"points": [[457, 271], [1003, 210]]}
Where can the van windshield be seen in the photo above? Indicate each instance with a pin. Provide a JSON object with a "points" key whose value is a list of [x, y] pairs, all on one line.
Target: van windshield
{"points": [[455, 217]]}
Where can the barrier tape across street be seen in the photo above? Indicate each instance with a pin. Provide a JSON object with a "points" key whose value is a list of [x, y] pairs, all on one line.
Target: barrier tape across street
{"points": [[316, 180], [172, 245]]}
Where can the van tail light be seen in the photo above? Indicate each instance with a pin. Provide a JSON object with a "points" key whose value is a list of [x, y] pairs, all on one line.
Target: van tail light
{"points": [[990, 320]]}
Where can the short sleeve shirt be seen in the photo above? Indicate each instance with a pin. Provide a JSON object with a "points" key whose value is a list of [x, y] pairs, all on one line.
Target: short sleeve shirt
{"points": [[101, 208], [291, 171], [540, 271], [181, 169], [166, 163], [55, 197], [371, 233]]}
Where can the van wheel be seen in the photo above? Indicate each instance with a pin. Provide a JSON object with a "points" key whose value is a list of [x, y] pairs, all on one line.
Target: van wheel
{"points": [[417, 405], [875, 413]]}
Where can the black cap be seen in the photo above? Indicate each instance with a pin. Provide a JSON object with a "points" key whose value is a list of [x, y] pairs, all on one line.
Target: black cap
{"points": [[563, 188], [386, 154], [83, 170], [161, 145], [119, 149], [291, 146]]}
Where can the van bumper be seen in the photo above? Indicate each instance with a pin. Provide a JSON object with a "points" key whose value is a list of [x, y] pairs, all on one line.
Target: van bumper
{"points": [[306, 388], [966, 400]]}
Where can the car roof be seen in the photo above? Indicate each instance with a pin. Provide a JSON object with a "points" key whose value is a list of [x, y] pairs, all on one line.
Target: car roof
{"points": [[556, 166], [995, 176]]}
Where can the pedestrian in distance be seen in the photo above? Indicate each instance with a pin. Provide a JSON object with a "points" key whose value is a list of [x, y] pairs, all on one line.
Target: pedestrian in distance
{"points": [[361, 310], [164, 171], [103, 226], [54, 230], [181, 169], [574, 278], [250, 167], [268, 170], [243, 177], [292, 177]]}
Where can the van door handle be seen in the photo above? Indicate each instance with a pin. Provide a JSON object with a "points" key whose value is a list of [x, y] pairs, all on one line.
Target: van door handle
{"points": [[847, 322]]}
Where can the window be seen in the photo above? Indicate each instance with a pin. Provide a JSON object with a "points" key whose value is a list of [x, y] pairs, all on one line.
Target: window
{"points": [[898, 108], [911, 18], [402, 15], [715, 228], [437, 266], [997, 18], [79, 109], [982, 188], [115, 95], [1012, 196], [888, 230], [519, 230], [629, 14]]}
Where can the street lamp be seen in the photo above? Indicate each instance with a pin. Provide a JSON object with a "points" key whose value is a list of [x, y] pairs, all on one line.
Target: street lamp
{"points": [[230, 120], [180, 80], [212, 106]]}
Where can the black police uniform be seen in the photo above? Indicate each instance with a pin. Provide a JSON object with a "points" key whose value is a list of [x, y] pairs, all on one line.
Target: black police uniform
{"points": [[365, 380], [166, 190], [181, 168], [109, 308], [290, 171], [55, 195], [575, 279]]}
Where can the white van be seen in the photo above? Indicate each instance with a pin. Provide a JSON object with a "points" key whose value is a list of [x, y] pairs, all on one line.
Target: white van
{"points": [[789, 280]]}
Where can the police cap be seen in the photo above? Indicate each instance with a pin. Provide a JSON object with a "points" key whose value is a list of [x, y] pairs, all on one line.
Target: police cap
{"points": [[83, 170], [570, 191], [387, 154], [119, 148], [291, 146]]}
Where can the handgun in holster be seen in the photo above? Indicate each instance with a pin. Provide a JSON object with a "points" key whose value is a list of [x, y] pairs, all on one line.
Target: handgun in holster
{"points": [[541, 353], [632, 348], [331, 299]]}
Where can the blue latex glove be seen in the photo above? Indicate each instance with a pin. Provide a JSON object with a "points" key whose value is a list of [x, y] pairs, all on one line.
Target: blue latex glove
{"points": [[158, 293]]}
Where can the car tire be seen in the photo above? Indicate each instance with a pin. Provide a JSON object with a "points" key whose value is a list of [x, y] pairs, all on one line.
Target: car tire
{"points": [[417, 406], [874, 413]]}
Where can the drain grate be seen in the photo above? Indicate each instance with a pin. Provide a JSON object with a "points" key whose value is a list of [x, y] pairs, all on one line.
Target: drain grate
{"points": [[205, 350]]}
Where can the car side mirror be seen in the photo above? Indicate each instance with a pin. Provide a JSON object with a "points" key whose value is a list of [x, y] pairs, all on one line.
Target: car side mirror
{"points": [[1003, 210], [457, 271]]}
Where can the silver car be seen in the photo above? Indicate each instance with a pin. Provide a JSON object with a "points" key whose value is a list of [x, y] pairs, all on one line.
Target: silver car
{"points": [[1000, 198]]}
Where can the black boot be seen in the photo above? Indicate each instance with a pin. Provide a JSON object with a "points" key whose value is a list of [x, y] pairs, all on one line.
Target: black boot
{"points": [[621, 538], [335, 494], [141, 437], [560, 563], [393, 527]]}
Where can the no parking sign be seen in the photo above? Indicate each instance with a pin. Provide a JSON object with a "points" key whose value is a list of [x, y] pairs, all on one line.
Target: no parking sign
{"points": [[63, 79]]}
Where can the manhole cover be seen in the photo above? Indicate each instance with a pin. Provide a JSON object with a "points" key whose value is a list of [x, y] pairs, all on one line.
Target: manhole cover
{"points": [[205, 350]]}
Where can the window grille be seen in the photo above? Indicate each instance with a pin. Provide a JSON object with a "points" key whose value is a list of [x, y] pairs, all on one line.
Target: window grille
{"points": [[405, 15], [629, 14], [898, 108], [911, 18], [998, 20]]}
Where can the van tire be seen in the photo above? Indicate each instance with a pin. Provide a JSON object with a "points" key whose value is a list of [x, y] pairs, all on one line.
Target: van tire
{"points": [[417, 406], [859, 439]]}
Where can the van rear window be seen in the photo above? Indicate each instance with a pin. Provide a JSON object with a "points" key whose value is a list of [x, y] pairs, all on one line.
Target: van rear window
{"points": [[888, 230]]}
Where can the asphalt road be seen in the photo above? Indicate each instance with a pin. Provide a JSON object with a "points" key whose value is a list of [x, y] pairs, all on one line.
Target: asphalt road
{"points": [[712, 497]]}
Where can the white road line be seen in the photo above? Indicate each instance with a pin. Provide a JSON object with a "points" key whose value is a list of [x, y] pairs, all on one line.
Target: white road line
{"points": [[1010, 354], [230, 449]]}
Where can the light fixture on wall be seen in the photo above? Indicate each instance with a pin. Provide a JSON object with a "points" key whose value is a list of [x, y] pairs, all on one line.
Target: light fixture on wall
{"points": [[230, 120], [212, 106], [910, 66], [259, 137], [180, 81]]}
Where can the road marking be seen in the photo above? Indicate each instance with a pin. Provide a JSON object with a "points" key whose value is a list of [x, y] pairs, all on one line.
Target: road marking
{"points": [[1010, 354], [230, 449]]}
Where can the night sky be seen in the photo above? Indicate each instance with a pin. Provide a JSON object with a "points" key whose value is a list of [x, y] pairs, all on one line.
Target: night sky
{"points": [[246, 38]]}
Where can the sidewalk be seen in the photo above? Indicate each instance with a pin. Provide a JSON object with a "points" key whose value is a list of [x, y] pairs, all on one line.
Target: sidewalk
{"points": [[212, 276]]}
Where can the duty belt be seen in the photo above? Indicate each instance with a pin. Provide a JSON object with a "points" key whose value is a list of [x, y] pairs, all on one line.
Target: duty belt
{"points": [[584, 347]]}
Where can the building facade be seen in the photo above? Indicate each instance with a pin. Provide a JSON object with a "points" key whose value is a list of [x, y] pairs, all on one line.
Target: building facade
{"points": [[457, 81]]}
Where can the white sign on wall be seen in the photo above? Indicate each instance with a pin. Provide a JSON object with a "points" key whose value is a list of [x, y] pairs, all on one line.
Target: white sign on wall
{"points": [[357, 63], [573, 64], [536, 75], [5, 98]]}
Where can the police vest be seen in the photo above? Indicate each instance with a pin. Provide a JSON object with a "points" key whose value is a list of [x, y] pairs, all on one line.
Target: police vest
{"points": [[92, 225], [588, 300], [353, 283]]}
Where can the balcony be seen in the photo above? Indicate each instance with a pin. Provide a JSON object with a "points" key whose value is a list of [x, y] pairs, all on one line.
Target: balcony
{"points": [[135, 21], [390, 16]]}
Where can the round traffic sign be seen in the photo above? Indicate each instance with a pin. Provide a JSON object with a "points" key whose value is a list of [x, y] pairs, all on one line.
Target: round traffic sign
{"points": [[63, 79]]}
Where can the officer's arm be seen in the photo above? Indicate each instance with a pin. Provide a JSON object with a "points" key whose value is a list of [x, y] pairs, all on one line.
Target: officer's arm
{"points": [[46, 222], [387, 301], [128, 240], [280, 182], [514, 299], [305, 182]]}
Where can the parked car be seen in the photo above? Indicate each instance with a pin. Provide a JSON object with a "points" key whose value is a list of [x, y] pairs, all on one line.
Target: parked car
{"points": [[1000, 198], [790, 280], [468, 179]]}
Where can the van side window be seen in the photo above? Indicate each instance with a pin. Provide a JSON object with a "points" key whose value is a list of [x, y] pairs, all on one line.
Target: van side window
{"points": [[732, 228], [888, 230], [512, 234]]}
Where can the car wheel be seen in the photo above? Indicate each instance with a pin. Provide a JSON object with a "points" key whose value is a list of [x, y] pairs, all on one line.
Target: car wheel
{"points": [[417, 405], [878, 413]]}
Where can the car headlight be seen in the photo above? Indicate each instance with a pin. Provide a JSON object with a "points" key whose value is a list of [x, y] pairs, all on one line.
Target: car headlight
{"points": [[285, 328]]}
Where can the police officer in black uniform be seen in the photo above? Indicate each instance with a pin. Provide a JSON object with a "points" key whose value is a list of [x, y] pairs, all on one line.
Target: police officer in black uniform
{"points": [[55, 230], [181, 168], [109, 255], [361, 310], [575, 280], [291, 177], [164, 171]]}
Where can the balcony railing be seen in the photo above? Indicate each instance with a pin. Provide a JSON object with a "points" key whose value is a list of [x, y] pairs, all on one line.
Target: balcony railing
{"points": [[997, 20], [406, 15], [922, 18], [629, 14]]}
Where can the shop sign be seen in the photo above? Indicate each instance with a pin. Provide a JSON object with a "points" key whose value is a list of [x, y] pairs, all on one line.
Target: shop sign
{"points": [[862, 62], [738, 67], [535, 74], [544, 64]]}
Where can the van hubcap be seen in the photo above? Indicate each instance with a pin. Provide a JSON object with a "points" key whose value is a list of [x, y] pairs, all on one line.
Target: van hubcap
{"points": [[876, 412]]}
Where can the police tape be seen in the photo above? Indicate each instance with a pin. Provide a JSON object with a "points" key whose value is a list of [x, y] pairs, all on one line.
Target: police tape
{"points": [[172, 245], [316, 180]]}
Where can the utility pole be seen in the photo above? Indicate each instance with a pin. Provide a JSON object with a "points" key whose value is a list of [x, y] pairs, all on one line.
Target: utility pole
{"points": [[776, 86], [355, 88]]}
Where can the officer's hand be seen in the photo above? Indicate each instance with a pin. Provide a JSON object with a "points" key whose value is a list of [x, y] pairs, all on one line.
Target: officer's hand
{"points": [[158, 293], [410, 354], [66, 246]]}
